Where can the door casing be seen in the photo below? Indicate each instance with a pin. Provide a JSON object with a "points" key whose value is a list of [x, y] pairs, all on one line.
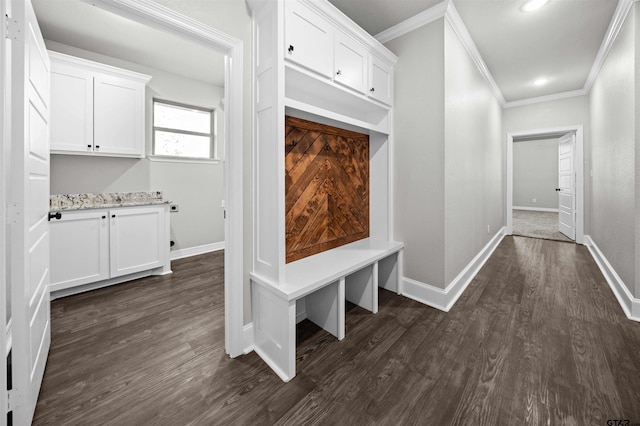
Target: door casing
{"points": [[578, 169]]}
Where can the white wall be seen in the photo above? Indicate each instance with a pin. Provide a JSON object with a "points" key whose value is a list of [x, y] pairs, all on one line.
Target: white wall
{"points": [[535, 173], [473, 158], [197, 188], [448, 158], [614, 115], [419, 151]]}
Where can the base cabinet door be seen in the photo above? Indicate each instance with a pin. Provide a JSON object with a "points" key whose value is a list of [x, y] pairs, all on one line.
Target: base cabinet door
{"points": [[79, 248], [136, 240]]}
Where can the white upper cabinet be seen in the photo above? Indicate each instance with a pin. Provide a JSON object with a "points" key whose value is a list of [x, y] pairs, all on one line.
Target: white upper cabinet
{"points": [[71, 109], [96, 109], [321, 45], [118, 116], [380, 80], [350, 62], [308, 39]]}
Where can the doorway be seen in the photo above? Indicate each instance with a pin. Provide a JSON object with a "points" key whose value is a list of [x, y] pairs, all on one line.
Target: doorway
{"points": [[160, 17], [548, 215]]}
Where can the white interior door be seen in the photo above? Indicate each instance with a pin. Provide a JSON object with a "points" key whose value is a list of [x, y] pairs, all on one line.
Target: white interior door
{"points": [[566, 186], [29, 208], [4, 178]]}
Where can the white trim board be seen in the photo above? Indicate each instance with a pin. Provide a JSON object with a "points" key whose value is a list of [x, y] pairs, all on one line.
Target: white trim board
{"points": [[194, 251], [536, 209], [445, 299], [447, 9], [578, 168], [629, 304], [247, 338]]}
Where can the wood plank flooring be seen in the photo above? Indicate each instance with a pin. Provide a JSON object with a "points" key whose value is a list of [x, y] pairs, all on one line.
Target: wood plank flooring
{"points": [[537, 338]]}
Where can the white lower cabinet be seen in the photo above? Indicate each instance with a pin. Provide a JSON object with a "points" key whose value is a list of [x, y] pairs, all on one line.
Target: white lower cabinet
{"points": [[136, 243], [79, 249], [89, 246]]}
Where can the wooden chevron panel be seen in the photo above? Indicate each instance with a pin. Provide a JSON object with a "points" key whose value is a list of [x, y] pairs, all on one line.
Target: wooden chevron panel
{"points": [[326, 187]]}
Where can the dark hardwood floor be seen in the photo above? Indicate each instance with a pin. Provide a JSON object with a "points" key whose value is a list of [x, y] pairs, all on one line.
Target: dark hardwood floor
{"points": [[537, 338]]}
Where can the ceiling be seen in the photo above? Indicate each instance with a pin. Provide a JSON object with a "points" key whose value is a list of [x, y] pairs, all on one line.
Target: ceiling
{"points": [[81, 25], [559, 41]]}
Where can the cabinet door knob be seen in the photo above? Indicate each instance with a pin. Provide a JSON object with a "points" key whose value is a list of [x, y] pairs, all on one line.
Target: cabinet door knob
{"points": [[290, 49], [89, 146], [104, 217], [113, 215], [97, 146], [373, 89], [339, 72], [56, 215]]}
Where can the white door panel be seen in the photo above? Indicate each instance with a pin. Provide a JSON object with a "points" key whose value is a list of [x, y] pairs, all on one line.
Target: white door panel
{"points": [[136, 243], [566, 186], [308, 38], [30, 194], [79, 249]]}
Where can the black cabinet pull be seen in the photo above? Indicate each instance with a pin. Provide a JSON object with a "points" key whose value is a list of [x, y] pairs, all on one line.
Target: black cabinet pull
{"points": [[113, 215], [89, 146], [339, 72], [558, 189], [104, 217], [372, 89], [290, 49], [56, 215], [97, 146]]}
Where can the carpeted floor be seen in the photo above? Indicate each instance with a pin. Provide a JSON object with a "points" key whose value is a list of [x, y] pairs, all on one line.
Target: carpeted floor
{"points": [[537, 225]]}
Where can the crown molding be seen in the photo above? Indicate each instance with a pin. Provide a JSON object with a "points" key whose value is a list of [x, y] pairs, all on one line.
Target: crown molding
{"points": [[619, 16], [413, 23], [463, 34], [546, 98], [447, 9]]}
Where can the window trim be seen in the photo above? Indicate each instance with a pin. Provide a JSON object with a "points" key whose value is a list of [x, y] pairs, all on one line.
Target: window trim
{"points": [[212, 135]]}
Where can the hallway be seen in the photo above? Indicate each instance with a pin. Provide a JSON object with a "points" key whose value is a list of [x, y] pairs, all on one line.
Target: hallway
{"points": [[537, 338]]}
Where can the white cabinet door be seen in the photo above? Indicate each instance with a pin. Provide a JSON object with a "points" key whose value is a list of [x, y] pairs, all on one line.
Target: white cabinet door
{"points": [[137, 239], [71, 109], [118, 116], [350, 62], [79, 248], [380, 80], [308, 39]]}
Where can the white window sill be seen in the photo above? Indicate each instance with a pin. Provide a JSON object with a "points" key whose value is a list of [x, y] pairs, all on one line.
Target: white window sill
{"points": [[165, 159]]}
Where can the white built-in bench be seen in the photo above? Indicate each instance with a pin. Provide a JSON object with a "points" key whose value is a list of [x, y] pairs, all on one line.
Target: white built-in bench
{"points": [[325, 281]]}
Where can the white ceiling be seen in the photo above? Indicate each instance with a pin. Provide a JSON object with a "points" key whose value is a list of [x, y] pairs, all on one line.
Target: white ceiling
{"points": [[559, 41], [81, 25]]}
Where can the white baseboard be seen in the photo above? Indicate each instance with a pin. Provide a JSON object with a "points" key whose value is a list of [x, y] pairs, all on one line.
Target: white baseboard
{"points": [[9, 336], [629, 304], [194, 251], [247, 338], [444, 299], [536, 209]]}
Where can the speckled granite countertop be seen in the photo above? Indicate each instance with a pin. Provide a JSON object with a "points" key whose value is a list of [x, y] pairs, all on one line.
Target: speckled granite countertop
{"points": [[105, 200]]}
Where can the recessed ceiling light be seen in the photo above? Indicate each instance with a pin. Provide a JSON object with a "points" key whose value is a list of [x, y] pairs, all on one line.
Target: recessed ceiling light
{"points": [[541, 81], [532, 5]]}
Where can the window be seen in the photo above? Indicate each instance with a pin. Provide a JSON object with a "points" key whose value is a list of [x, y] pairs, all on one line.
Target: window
{"points": [[182, 130]]}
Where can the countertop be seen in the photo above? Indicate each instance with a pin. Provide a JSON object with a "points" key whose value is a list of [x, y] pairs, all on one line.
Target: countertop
{"points": [[65, 202]]}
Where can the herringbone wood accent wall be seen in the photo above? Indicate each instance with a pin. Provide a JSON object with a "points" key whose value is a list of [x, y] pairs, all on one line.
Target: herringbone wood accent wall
{"points": [[326, 187]]}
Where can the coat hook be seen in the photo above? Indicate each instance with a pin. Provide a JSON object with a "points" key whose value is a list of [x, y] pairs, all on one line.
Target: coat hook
{"points": [[293, 143]]}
